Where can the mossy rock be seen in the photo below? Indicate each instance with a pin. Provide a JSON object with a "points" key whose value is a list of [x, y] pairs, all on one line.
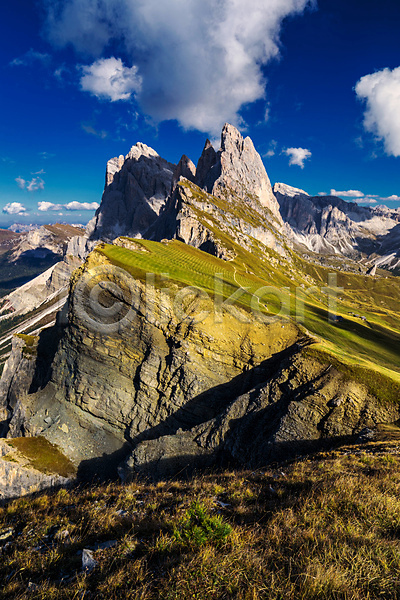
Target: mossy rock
{"points": [[43, 456]]}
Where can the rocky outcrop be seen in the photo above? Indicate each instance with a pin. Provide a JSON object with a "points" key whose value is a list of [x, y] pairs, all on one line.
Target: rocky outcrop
{"points": [[185, 169], [27, 369], [146, 377], [207, 171], [132, 375], [16, 381], [136, 189], [203, 221], [19, 478], [45, 241], [300, 406]]}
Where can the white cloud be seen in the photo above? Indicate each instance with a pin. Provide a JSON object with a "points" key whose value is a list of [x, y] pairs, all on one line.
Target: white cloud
{"points": [[297, 156], [35, 184], [45, 206], [29, 58], [82, 206], [14, 208], [272, 149], [21, 182], [50, 206], [108, 78], [348, 194], [199, 61], [381, 92], [366, 200], [360, 197]]}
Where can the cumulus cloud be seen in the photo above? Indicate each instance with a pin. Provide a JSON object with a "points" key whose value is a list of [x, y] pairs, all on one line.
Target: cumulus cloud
{"points": [[108, 78], [14, 208], [381, 92], [348, 194], [82, 206], [199, 61], [45, 206], [29, 58], [297, 156], [50, 206]]}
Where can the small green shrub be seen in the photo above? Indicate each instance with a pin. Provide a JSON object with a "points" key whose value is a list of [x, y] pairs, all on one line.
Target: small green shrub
{"points": [[198, 528]]}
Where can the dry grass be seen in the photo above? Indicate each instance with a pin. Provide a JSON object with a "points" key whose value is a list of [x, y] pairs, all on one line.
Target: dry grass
{"points": [[326, 527]]}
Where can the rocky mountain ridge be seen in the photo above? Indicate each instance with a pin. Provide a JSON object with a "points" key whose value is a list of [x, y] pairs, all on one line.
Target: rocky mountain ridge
{"points": [[166, 391], [135, 190]]}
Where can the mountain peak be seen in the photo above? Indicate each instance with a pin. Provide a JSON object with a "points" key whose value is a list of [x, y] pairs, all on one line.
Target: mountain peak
{"points": [[239, 169], [185, 168], [137, 186], [288, 190], [140, 149]]}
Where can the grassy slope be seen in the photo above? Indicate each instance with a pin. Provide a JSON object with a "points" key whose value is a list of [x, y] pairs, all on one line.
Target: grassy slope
{"points": [[373, 343], [322, 528]]}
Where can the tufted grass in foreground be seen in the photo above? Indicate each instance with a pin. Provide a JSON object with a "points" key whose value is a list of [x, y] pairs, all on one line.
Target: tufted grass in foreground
{"points": [[327, 527]]}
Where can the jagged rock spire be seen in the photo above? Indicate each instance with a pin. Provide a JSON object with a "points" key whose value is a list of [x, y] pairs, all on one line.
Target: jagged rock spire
{"points": [[236, 167], [185, 168], [207, 161]]}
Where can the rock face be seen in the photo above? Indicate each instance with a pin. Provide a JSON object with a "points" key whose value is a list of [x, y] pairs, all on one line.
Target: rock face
{"points": [[185, 169], [296, 405], [27, 370], [203, 221], [236, 169], [328, 224], [157, 374], [15, 383], [136, 189], [18, 477], [206, 171]]}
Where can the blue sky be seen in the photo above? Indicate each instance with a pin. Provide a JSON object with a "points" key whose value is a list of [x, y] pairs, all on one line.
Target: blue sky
{"points": [[315, 85]]}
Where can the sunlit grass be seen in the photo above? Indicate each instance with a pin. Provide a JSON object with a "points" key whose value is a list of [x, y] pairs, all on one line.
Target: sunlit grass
{"points": [[327, 527]]}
